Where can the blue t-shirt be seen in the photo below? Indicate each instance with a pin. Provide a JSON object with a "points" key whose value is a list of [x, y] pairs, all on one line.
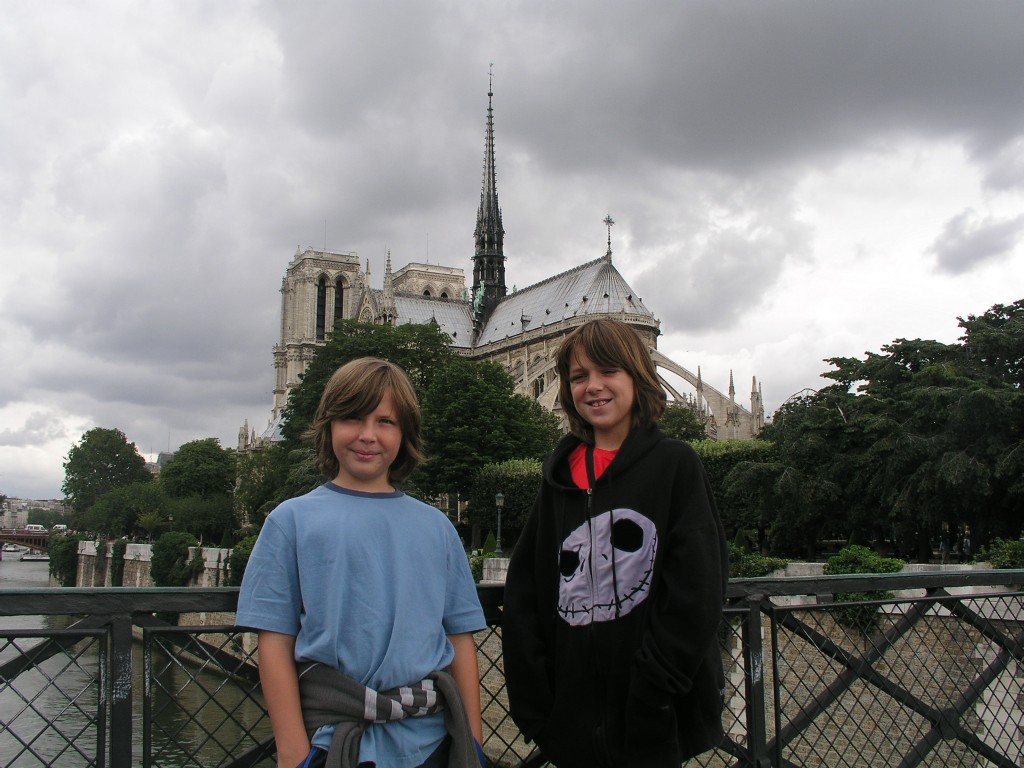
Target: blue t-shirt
{"points": [[370, 583]]}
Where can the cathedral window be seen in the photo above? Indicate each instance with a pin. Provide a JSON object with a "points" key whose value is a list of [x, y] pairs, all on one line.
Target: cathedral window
{"points": [[339, 299], [321, 308]]}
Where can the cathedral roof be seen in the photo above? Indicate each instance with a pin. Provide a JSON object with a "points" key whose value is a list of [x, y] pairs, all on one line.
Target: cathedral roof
{"points": [[594, 288], [453, 317]]}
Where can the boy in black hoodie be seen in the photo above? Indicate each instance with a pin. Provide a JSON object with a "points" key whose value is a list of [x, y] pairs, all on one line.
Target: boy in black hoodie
{"points": [[615, 589]]}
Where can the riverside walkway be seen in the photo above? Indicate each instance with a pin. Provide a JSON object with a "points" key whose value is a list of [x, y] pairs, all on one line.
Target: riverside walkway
{"points": [[926, 671]]}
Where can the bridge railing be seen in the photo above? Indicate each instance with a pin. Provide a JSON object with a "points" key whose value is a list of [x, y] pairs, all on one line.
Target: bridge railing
{"points": [[901, 670]]}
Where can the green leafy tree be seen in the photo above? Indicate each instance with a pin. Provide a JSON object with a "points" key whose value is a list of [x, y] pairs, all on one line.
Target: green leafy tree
{"points": [[100, 462], [199, 481], [302, 477], [171, 565], [200, 468], [117, 512], [518, 481], [150, 522], [682, 423], [261, 474], [471, 415], [740, 497], [63, 552], [238, 559], [916, 439], [422, 351], [47, 517], [937, 423], [471, 418], [803, 478], [210, 518]]}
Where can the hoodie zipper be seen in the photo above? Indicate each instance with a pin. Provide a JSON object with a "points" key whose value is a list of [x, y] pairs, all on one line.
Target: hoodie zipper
{"points": [[589, 512]]}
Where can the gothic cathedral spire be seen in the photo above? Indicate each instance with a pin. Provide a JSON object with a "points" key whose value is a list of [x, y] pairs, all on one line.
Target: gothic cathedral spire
{"points": [[488, 256]]}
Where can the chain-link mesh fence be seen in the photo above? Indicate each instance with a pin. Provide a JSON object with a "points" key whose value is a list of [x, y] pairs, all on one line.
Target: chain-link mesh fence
{"points": [[932, 675]]}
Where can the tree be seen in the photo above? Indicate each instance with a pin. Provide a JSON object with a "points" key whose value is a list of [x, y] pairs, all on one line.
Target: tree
{"points": [[422, 351], [100, 462], [518, 481], [471, 417], [237, 560], [209, 518], [200, 468], [199, 481], [63, 552], [171, 565], [150, 522], [118, 512], [682, 423], [921, 438], [261, 473], [47, 517]]}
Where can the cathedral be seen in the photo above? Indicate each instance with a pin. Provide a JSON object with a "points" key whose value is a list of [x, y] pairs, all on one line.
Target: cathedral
{"points": [[519, 330]]}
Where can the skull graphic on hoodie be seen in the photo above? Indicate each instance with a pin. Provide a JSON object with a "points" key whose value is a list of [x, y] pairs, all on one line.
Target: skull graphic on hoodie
{"points": [[606, 566]]}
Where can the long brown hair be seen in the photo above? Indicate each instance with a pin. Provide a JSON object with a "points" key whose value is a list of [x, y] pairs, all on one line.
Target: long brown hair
{"points": [[614, 344]]}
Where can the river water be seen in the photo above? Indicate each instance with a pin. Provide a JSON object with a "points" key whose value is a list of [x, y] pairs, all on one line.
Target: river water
{"points": [[72, 701]]}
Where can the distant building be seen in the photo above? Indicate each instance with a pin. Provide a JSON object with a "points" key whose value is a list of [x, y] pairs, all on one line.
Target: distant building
{"points": [[14, 512], [162, 458], [520, 330]]}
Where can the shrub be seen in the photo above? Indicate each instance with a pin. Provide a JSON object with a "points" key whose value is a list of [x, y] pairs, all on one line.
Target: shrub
{"points": [[238, 559], [490, 544], [858, 559], [476, 564], [117, 551], [63, 551], [518, 480], [751, 565], [171, 566], [1005, 554]]}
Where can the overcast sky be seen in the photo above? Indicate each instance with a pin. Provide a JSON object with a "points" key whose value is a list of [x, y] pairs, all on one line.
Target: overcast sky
{"points": [[790, 181]]}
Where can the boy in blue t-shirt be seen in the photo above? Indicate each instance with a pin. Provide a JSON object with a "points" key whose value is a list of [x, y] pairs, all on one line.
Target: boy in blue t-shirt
{"points": [[359, 579]]}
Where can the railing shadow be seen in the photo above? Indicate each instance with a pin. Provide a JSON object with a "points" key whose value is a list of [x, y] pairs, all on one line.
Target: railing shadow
{"points": [[929, 673]]}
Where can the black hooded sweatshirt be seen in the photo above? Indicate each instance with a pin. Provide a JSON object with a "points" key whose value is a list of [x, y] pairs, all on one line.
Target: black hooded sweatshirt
{"points": [[612, 608]]}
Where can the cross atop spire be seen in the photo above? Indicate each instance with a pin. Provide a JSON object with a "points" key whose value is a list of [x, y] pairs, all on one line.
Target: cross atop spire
{"points": [[609, 222]]}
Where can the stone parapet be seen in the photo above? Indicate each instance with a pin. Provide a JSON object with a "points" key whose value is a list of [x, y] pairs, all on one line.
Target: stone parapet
{"points": [[94, 560]]}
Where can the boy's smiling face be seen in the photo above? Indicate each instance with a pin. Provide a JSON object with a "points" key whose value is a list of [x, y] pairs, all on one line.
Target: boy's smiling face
{"points": [[366, 447], [604, 396]]}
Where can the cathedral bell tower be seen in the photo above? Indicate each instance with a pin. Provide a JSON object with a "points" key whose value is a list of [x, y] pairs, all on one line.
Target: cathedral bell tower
{"points": [[488, 256]]}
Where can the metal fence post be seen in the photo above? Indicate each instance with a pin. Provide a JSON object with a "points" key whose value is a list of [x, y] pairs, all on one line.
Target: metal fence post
{"points": [[121, 691], [756, 716]]}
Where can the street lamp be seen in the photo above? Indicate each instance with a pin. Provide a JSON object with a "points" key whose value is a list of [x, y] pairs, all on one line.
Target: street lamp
{"points": [[499, 502]]}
